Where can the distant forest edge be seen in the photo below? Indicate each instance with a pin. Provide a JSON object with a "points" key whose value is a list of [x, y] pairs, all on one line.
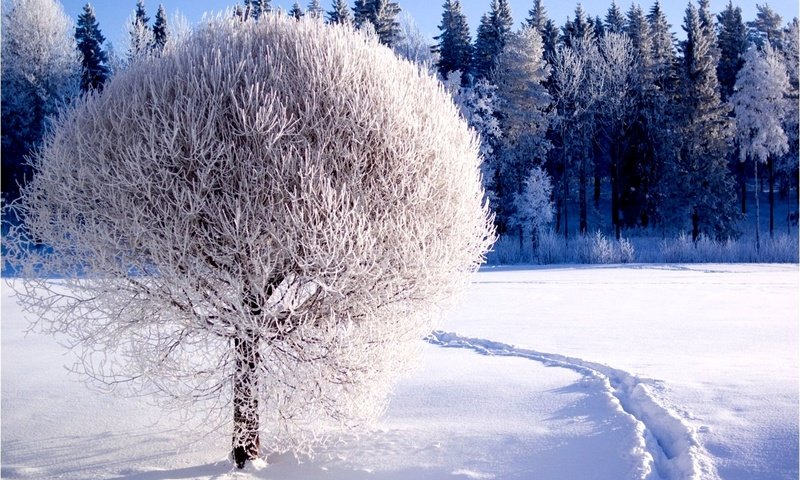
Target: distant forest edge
{"points": [[604, 140]]}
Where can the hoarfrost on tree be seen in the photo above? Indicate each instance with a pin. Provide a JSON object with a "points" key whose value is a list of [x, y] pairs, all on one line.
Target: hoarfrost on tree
{"points": [[247, 228]]}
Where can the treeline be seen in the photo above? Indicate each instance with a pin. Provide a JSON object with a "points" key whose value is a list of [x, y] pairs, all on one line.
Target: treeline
{"points": [[598, 124], [675, 131]]}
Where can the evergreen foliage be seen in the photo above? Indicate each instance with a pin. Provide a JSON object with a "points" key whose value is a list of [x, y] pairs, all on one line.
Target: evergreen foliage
{"points": [[537, 16], [614, 21], [296, 12], [94, 60], [315, 10], [454, 42], [160, 32], [766, 27], [340, 13], [733, 43], [493, 32], [704, 187]]}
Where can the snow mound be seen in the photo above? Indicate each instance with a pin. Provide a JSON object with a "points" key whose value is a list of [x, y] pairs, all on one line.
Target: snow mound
{"points": [[668, 446]]}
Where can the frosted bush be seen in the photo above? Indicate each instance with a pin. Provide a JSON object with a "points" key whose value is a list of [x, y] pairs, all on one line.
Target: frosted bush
{"points": [[264, 219]]}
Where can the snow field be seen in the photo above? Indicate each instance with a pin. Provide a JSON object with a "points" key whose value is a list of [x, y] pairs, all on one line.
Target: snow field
{"points": [[656, 372]]}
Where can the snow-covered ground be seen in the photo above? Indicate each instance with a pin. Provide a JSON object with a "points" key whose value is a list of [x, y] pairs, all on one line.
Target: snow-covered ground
{"points": [[660, 372]]}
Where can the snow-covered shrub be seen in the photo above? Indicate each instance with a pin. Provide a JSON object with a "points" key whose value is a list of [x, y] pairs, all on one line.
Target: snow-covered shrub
{"points": [[601, 250], [263, 219], [627, 252]]}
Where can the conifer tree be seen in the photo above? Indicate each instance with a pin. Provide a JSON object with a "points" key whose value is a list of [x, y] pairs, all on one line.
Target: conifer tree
{"points": [[493, 32], [599, 28], [766, 27], [160, 32], [662, 113], [700, 174], [315, 10], [615, 21], [732, 44], [140, 36], [524, 115], [454, 42], [94, 60], [296, 11], [579, 30], [382, 15], [257, 8], [339, 13], [550, 38], [537, 16]]}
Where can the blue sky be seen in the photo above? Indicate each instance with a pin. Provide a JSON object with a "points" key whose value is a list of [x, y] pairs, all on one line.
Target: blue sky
{"points": [[112, 14]]}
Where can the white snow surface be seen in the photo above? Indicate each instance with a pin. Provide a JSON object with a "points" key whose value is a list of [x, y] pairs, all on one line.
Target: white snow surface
{"points": [[633, 372]]}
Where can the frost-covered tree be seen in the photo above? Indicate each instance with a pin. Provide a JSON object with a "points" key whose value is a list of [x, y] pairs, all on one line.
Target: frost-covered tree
{"points": [[382, 17], [140, 37], [616, 109], [340, 13], [40, 69], [411, 43], [454, 43], [579, 30], [272, 250], [760, 106], [160, 32], [94, 60], [315, 10], [524, 114], [533, 206], [493, 31], [703, 187], [788, 165]]}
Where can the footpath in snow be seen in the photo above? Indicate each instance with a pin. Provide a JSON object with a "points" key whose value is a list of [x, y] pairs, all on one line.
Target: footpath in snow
{"points": [[668, 445]]}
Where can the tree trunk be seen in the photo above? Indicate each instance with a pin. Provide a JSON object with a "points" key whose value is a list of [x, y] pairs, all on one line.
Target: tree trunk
{"points": [[695, 225], [246, 443], [566, 200], [758, 212], [582, 187], [771, 197], [743, 182], [615, 199]]}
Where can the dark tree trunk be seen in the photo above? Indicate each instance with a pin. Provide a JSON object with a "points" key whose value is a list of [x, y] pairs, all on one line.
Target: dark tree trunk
{"points": [[246, 443], [743, 185], [615, 198], [582, 187], [566, 200], [695, 225], [771, 197]]}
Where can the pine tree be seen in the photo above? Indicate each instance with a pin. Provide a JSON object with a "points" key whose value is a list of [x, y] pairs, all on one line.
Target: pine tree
{"points": [[94, 59], [760, 106], [296, 12], [599, 28], [382, 15], [160, 32], [788, 165], [257, 8], [359, 13], [493, 31], [454, 42], [537, 16], [550, 37], [766, 27], [315, 10], [615, 21], [339, 13], [700, 173]]}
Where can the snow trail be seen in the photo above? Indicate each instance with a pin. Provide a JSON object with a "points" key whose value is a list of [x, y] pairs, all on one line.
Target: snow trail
{"points": [[668, 445]]}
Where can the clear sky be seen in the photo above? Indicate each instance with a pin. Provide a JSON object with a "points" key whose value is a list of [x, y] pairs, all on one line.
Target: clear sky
{"points": [[112, 14]]}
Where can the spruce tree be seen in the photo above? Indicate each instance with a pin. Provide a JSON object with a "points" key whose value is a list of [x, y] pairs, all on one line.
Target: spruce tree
{"points": [[732, 44], [339, 13], [160, 32], [537, 16], [454, 43], [493, 31], [599, 28], [580, 30], [550, 38], [94, 60], [700, 174], [382, 15], [615, 21]]}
